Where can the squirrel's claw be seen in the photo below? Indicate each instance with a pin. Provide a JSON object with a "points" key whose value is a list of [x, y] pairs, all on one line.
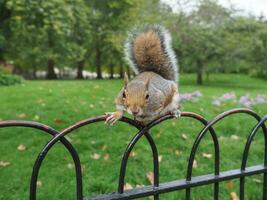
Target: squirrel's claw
{"points": [[112, 118], [176, 113]]}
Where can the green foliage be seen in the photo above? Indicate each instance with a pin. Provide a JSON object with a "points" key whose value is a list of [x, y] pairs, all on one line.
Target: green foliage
{"points": [[89, 34], [4, 70], [7, 80]]}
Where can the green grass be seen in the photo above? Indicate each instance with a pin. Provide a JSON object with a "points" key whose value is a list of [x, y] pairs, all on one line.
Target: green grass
{"points": [[61, 103]]}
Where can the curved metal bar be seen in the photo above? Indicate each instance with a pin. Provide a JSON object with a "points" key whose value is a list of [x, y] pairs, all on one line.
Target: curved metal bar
{"points": [[249, 140], [246, 151], [206, 128], [216, 159], [143, 132], [86, 122], [65, 142]]}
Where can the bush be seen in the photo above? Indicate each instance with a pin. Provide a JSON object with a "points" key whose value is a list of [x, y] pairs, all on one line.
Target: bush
{"points": [[6, 80], [259, 72]]}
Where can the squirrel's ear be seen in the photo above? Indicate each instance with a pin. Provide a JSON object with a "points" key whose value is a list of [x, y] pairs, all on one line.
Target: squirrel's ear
{"points": [[126, 79]]}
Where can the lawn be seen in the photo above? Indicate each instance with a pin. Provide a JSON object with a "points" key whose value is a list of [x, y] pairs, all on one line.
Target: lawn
{"points": [[61, 103]]}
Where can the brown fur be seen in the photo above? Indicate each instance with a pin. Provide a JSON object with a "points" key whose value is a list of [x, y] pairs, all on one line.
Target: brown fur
{"points": [[147, 50], [168, 99], [135, 95]]}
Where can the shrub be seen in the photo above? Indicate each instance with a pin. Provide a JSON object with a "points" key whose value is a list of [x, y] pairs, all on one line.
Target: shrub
{"points": [[259, 72], [6, 80]]}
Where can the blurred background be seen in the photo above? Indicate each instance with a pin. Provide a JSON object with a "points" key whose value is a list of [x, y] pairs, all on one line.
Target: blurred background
{"points": [[81, 39]]}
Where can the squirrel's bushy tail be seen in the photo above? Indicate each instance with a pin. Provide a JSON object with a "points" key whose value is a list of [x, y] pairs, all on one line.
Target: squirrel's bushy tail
{"points": [[148, 48]]}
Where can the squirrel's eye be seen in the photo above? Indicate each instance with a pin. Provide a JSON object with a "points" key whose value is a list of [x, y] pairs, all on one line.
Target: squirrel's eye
{"points": [[147, 96], [123, 95]]}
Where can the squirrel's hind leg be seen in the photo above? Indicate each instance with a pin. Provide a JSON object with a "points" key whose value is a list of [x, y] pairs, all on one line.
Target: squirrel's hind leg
{"points": [[174, 107]]}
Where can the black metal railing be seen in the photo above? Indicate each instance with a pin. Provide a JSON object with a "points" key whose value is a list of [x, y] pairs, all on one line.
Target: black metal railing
{"points": [[157, 188]]}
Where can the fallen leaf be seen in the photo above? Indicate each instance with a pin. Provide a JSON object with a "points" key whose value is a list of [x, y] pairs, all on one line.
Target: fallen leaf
{"points": [[184, 136], [230, 185], [58, 121], [21, 115], [216, 110], [133, 154], [195, 164], [39, 184], [178, 153], [70, 166], [21, 147], [4, 164], [104, 147], [83, 102], [91, 106], [106, 156], [92, 142], [36, 117], [83, 168], [95, 156], [173, 123], [139, 186], [207, 155], [222, 138], [39, 101], [160, 158], [150, 177], [234, 196], [128, 186], [256, 180], [68, 138], [234, 137]]}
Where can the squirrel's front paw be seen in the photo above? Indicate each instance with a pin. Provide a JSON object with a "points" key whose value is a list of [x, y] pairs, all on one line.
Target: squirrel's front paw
{"points": [[112, 117], [176, 113]]}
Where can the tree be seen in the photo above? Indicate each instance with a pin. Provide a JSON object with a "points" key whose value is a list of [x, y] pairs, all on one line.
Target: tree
{"points": [[107, 19], [201, 36], [42, 33], [5, 15]]}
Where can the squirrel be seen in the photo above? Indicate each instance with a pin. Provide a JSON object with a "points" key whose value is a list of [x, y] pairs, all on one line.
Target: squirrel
{"points": [[153, 92]]}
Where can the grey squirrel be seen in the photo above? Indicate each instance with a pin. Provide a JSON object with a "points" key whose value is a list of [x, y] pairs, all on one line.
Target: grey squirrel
{"points": [[153, 92]]}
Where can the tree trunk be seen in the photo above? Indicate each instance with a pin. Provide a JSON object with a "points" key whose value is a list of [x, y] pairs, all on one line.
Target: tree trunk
{"points": [[98, 60], [80, 70], [128, 71], [208, 76], [121, 70], [34, 70], [111, 67], [199, 73], [17, 70], [50, 70]]}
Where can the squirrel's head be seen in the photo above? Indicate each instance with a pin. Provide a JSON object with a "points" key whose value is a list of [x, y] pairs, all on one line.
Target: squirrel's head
{"points": [[137, 98]]}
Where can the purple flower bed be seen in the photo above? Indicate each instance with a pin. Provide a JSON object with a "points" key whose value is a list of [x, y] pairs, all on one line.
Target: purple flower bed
{"points": [[245, 100], [193, 96]]}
